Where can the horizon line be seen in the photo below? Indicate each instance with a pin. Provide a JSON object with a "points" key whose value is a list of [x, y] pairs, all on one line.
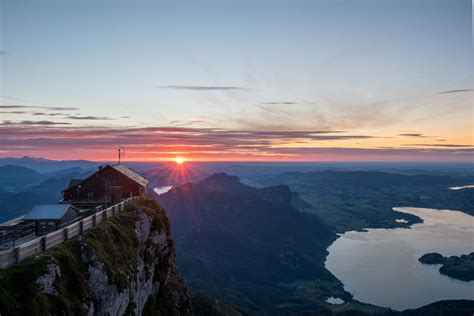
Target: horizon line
{"points": [[171, 160]]}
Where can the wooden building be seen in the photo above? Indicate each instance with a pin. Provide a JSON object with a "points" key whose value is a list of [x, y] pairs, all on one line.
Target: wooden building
{"points": [[48, 218], [109, 185], [13, 229]]}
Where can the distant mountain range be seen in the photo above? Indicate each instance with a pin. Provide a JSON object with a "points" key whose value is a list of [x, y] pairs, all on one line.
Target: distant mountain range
{"points": [[355, 200], [14, 177], [263, 249], [22, 188], [42, 165]]}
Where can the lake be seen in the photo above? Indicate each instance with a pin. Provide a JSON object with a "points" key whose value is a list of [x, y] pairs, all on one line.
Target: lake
{"points": [[471, 186], [381, 266], [161, 190]]}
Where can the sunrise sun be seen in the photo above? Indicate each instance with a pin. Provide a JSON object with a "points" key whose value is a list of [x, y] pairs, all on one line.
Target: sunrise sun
{"points": [[179, 160]]}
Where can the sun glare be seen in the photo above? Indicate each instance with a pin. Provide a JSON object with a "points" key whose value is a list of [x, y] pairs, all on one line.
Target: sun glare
{"points": [[179, 160]]}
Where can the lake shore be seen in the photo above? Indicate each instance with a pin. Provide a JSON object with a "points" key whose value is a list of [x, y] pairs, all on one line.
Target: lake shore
{"points": [[391, 255]]}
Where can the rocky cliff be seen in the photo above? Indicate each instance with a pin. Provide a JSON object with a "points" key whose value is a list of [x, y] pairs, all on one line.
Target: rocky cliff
{"points": [[124, 266]]}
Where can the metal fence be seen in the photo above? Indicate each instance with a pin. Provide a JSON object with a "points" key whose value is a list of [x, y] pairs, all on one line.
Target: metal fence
{"points": [[12, 256]]}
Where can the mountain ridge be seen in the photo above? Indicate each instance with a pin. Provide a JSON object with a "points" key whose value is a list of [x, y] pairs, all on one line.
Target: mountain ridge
{"points": [[43, 165], [237, 240]]}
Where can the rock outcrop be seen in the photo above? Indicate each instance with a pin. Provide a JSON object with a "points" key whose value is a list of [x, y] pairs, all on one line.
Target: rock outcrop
{"points": [[124, 266]]}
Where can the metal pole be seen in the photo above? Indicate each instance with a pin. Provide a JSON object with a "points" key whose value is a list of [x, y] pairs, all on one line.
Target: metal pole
{"points": [[105, 194]]}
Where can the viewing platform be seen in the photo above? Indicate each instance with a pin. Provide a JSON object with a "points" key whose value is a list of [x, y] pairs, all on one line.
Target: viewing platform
{"points": [[16, 254]]}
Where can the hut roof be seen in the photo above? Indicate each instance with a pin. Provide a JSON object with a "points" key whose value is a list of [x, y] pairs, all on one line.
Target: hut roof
{"points": [[131, 174], [74, 182], [47, 212]]}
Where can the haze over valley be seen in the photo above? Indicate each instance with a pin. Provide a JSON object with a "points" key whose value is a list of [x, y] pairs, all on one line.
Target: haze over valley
{"points": [[230, 158], [296, 241]]}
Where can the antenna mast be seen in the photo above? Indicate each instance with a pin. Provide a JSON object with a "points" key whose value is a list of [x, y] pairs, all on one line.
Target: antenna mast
{"points": [[121, 152]]}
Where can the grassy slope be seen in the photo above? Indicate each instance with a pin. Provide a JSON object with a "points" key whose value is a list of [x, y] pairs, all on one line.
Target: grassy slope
{"points": [[115, 244]]}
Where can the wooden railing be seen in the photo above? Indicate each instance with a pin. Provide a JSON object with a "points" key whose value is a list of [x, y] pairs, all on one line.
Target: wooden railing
{"points": [[12, 256]]}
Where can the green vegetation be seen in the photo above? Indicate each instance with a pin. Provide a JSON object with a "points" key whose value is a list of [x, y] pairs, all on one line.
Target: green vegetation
{"points": [[114, 243], [245, 247], [18, 292], [118, 257], [204, 305], [316, 292], [359, 200], [250, 248], [432, 258], [160, 305], [456, 267], [21, 189], [20, 295], [440, 308]]}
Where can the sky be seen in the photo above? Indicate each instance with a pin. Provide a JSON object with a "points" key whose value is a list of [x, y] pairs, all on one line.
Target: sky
{"points": [[237, 80]]}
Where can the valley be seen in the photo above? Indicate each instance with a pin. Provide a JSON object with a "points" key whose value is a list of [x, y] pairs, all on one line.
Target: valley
{"points": [[356, 200], [270, 247], [392, 255]]}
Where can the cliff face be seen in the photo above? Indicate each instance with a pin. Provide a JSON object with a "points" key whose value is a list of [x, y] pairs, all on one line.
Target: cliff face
{"points": [[124, 266]]}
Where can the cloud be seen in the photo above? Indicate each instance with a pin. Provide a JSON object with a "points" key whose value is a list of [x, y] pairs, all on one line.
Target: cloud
{"points": [[169, 135], [381, 154], [63, 115], [187, 122], [2, 52], [3, 106], [13, 98], [13, 112], [413, 135], [55, 108], [48, 114], [27, 122], [456, 91], [88, 118], [50, 138], [279, 103], [272, 110], [442, 145], [203, 88]]}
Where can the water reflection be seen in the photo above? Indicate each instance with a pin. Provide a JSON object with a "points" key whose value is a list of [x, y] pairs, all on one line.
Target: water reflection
{"points": [[161, 190], [471, 186], [334, 300], [381, 266]]}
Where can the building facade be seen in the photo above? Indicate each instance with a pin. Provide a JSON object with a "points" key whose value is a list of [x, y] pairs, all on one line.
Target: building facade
{"points": [[48, 218], [109, 185]]}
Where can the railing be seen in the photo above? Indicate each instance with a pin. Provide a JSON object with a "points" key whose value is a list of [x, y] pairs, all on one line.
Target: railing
{"points": [[12, 256], [9, 237]]}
